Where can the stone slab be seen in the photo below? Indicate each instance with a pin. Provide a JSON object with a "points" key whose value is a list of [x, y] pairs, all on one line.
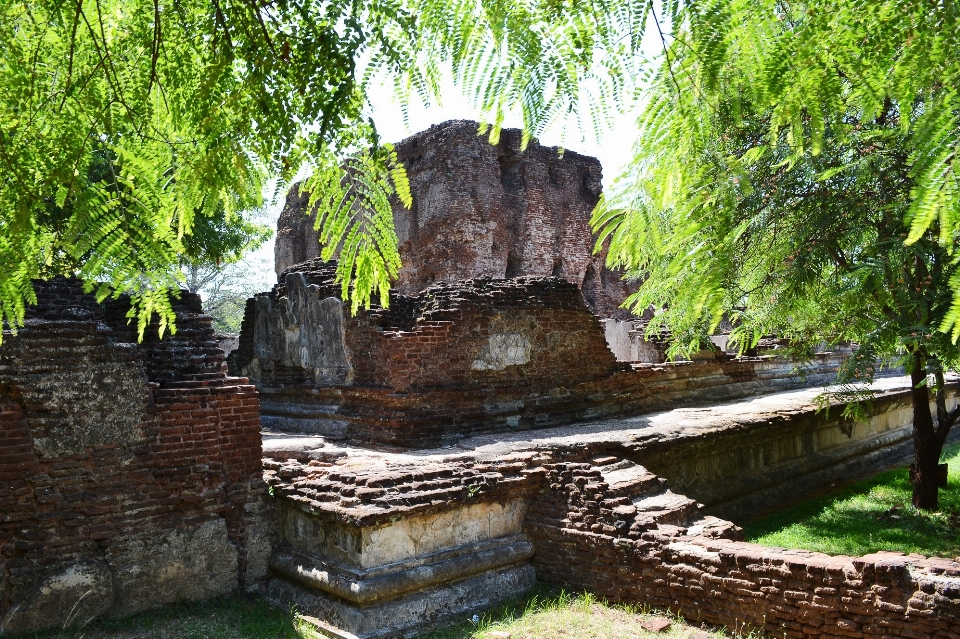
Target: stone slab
{"points": [[449, 603], [409, 537], [392, 581]]}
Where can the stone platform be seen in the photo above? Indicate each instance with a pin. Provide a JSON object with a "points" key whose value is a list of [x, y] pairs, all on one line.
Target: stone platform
{"points": [[463, 359], [379, 541]]}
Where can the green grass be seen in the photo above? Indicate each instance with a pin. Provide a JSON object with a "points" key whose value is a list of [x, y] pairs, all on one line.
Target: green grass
{"points": [[549, 613], [868, 516], [544, 614], [223, 618]]}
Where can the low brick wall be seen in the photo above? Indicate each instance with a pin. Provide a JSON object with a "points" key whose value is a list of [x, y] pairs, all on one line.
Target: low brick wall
{"points": [[788, 593], [130, 475], [740, 465], [588, 535]]}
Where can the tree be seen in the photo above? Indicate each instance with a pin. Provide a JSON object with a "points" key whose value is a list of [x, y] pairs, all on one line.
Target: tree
{"points": [[124, 122], [796, 168], [214, 264], [226, 287], [189, 105]]}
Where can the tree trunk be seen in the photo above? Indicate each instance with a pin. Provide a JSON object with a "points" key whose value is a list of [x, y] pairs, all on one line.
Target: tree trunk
{"points": [[926, 448]]}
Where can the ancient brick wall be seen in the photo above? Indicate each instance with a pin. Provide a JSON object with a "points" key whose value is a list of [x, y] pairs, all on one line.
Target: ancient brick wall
{"points": [[482, 355], [296, 240], [130, 475], [485, 211], [606, 539], [598, 521], [519, 333]]}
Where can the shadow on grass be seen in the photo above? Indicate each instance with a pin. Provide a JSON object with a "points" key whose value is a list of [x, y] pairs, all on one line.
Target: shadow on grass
{"points": [[869, 516], [222, 618]]}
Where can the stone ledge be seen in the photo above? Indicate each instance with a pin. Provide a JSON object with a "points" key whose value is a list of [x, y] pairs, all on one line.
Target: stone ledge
{"points": [[415, 611], [390, 582]]}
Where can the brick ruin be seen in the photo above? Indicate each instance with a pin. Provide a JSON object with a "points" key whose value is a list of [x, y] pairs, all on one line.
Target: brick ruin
{"points": [[380, 543], [429, 460], [436, 457], [134, 473], [130, 475], [484, 355], [485, 211]]}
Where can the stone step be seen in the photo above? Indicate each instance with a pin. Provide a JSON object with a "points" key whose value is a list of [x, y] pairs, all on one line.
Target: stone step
{"points": [[666, 507], [715, 528], [630, 480]]}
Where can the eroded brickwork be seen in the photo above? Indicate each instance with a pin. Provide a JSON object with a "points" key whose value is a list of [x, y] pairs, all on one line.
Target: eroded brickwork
{"points": [[130, 475], [372, 493], [484, 355], [603, 523], [608, 538], [485, 211]]}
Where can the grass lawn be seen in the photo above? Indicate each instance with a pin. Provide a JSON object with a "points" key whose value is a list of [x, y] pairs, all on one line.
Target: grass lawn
{"points": [[868, 516], [550, 613], [545, 614]]}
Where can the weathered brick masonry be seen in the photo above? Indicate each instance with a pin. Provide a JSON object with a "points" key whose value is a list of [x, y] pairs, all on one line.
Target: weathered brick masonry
{"points": [[130, 475], [607, 538], [481, 210], [484, 355], [360, 526]]}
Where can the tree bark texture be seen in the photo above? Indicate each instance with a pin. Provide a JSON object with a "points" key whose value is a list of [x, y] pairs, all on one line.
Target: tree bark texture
{"points": [[926, 444]]}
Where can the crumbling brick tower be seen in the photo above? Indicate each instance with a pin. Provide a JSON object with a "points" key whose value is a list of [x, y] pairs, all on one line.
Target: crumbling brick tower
{"points": [[481, 210], [130, 473]]}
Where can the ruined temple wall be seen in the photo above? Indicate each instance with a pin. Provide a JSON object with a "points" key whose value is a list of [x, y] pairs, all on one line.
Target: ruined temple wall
{"points": [[516, 334], [125, 482], [456, 360], [483, 210], [296, 240], [584, 540], [435, 416]]}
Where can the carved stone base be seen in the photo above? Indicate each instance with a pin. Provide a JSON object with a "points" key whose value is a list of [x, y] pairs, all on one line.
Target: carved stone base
{"points": [[450, 601]]}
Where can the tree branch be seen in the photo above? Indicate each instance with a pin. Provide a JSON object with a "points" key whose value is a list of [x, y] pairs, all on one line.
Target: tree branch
{"points": [[73, 46]]}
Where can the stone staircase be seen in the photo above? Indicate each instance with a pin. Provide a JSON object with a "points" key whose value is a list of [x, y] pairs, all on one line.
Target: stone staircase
{"points": [[650, 503]]}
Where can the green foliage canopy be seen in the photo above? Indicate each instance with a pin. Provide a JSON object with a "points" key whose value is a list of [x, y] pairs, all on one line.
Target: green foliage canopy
{"points": [[793, 159], [797, 169], [123, 123], [189, 105]]}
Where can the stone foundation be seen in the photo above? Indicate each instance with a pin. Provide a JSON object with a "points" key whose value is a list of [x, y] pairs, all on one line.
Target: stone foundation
{"points": [[379, 543], [130, 475], [457, 360], [377, 546]]}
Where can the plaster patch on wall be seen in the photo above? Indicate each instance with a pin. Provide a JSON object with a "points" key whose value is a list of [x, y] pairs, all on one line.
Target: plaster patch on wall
{"points": [[72, 595], [502, 350]]}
